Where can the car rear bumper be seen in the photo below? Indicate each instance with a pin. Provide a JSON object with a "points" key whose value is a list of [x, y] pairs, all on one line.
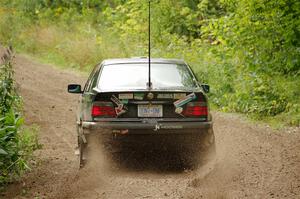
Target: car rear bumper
{"points": [[161, 125]]}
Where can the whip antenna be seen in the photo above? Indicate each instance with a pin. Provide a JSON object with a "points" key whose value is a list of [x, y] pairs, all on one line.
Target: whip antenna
{"points": [[149, 47]]}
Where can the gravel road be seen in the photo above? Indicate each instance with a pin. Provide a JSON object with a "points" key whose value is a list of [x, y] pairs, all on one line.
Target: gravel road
{"points": [[252, 161]]}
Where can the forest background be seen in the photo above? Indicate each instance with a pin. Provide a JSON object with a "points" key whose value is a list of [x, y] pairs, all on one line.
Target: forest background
{"points": [[248, 51]]}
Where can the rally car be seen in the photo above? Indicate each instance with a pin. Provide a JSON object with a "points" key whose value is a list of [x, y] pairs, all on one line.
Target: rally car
{"points": [[119, 99]]}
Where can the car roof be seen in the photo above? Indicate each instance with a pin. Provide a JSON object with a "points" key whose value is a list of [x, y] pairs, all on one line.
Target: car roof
{"points": [[135, 60]]}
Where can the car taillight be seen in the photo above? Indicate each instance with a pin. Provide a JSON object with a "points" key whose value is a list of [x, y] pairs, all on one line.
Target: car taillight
{"points": [[196, 109], [103, 109]]}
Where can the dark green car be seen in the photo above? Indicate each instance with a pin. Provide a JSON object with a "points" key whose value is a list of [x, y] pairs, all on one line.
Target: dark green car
{"points": [[117, 100]]}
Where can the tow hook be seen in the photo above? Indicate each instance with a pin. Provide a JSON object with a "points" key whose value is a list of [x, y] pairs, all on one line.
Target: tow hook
{"points": [[157, 127]]}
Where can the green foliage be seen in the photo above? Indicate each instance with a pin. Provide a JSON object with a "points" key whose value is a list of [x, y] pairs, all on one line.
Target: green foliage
{"points": [[261, 42], [16, 147], [16, 143], [247, 50], [8, 99]]}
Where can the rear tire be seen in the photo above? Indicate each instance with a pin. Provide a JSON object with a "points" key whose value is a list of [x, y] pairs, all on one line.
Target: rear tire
{"points": [[81, 149], [199, 149]]}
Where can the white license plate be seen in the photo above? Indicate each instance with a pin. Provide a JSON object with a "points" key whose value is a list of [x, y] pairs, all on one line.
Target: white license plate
{"points": [[150, 110]]}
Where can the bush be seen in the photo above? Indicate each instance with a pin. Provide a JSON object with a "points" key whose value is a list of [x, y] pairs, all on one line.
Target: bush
{"points": [[16, 142]]}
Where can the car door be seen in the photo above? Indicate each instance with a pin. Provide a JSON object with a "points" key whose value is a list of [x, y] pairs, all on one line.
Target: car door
{"points": [[88, 95]]}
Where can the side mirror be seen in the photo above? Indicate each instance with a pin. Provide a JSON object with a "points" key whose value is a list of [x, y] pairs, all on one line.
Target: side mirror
{"points": [[205, 87], [74, 88]]}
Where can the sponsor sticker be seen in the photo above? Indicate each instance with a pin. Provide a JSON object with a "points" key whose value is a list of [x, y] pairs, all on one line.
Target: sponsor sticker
{"points": [[126, 96], [171, 127], [165, 96], [184, 100], [124, 101], [178, 110], [138, 96], [116, 100], [179, 95], [119, 110]]}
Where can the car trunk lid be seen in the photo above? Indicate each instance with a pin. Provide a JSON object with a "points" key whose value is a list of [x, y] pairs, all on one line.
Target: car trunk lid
{"points": [[156, 104]]}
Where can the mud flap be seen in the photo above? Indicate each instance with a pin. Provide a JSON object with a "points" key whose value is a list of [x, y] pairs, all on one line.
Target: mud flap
{"points": [[81, 135], [81, 145]]}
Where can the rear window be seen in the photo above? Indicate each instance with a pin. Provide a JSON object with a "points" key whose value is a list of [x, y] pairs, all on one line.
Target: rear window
{"points": [[135, 76]]}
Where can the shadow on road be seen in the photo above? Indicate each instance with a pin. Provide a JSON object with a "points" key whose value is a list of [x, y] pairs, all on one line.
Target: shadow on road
{"points": [[160, 154]]}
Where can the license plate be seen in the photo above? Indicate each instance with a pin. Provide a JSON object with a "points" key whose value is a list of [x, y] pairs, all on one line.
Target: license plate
{"points": [[150, 110]]}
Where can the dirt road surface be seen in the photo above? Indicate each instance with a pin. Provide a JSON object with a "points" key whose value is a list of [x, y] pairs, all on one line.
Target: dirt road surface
{"points": [[252, 161]]}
